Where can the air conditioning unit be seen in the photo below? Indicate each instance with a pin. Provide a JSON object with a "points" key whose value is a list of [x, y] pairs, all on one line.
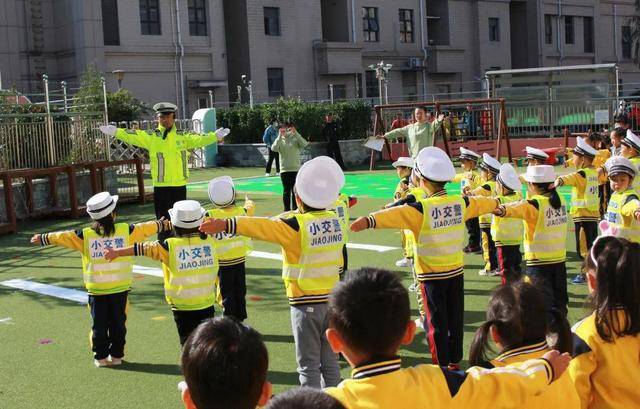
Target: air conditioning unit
{"points": [[415, 63]]}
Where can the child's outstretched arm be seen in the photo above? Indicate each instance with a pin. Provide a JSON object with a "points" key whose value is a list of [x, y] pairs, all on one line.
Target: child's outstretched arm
{"points": [[401, 217], [69, 239], [478, 205], [142, 231], [152, 249], [279, 231], [112, 254], [523, 209]]}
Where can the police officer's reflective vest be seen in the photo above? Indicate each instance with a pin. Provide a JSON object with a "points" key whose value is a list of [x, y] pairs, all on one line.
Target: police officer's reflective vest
{"points": [[628, 227], [230, 247], [507, 231], [485, 219], [548, 244], [322, 236], [441, 236], [589, 200], [636, 181], [100, 275], [191, 277]]}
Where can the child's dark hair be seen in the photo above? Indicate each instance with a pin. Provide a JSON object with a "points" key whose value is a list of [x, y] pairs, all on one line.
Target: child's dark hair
{"points": [[517, 311], [182, 232], [224, 363], [105, 227], [554, 197], [437, 185], [617, 262], [366, 293], [304, 398]]}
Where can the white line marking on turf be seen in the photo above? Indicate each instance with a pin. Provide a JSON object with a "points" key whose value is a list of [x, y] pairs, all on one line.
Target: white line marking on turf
{"points": [[264, 254], [47, 289], [372, 247], [7, 321], [149, 271]]}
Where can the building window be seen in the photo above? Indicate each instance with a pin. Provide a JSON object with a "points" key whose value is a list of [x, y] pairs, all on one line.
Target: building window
{"points": [[494, 29], [272, 21], [203, 103], [275, 82], [626, 42], [370, 26], [197, 18], [409, 85], [406, 25], [548, 29], [569, 30], [371, 84], [588, 34], [110, 25], [339, 91], [149, 17]]}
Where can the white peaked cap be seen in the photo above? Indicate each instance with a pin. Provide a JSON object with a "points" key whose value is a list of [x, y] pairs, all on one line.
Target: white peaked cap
{"points": [[632, 140], [319, 182], [619, 164], [403, 161], [186, 214], [221, 191], [491, 163], [101, 205], [583, 148], [468, 154], [509, 178], [536, 153], [540, 174], [434, 164]]}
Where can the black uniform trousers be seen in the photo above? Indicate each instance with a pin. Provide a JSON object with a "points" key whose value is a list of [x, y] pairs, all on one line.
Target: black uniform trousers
{"points": [[163, 199], [187, 321], [108, 332], [443, 302], [273, 156], [509, 263], [552, 281], [288, 182], [473, 228], [233, 287], [333, 151], [590, 229]]}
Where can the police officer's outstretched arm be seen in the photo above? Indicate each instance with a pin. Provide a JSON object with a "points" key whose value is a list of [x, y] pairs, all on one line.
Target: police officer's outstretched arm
{"points": [[135, 137], [194, 140]]}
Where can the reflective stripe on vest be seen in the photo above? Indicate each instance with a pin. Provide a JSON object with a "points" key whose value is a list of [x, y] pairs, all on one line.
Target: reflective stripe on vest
{"points": [[321, 238], [486, 218], [507, 231], [230, 247], [192, 274], [169, 158], [101, 276], [628, 227], [441, 236], [590, 199], [550, 235]]}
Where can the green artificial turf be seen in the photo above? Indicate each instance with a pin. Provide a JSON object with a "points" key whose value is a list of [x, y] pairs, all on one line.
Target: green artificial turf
{"points": [[45, 360]]}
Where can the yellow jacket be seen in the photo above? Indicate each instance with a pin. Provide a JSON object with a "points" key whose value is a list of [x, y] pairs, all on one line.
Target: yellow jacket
{"points": [[579, 181], [249, 210], [606, 374], [384, 384], [401, 189], [487, 188], [470, 178]]}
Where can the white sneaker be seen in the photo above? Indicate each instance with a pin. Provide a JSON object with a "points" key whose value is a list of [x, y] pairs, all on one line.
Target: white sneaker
{"points": [[419, 323], [405, 262], [413, 288], [101, 363], [493, 273], [267, 175], [482, 272], [116, 361]]}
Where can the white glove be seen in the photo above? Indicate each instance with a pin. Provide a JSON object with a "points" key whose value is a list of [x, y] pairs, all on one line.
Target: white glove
{"points": [[222, 132], [108, 130]]}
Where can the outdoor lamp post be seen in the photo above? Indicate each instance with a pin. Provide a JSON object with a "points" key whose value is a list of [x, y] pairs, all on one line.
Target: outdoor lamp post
{"points": [[248, 85], [382, 70], [119, 74]]}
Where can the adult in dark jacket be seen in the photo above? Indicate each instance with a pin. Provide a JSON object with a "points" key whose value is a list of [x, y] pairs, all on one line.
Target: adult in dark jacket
{"points": [[269, 137], [331, 133]]}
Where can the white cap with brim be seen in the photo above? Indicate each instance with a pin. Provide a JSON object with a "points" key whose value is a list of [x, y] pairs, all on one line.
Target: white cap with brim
{"points": [[468, 154], [490, 163], [319, 182], [187, 214], [619, 164], [403, 161], [632, 140], [434, 164], [535, 153], [584, 149], [509, 178], [101, 205], [540, 174], [221, 191]]}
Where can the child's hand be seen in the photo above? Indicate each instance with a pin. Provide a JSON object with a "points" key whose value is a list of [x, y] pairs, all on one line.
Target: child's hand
{"points": [[466, 190], [360, 224], [557, 183], [636, 215], [559, 362], [499, 211], [36, 239], [166, 224], [110, 254], [213, 226]]}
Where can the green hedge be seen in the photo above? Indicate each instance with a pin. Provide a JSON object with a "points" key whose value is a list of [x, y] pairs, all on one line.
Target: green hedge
{"points": [[247, 125]]}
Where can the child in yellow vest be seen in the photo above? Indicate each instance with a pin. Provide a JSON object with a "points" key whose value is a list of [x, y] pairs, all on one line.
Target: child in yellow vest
{"points": [[585, 200], [606, 364], [545, 235], [189, 263], [514, 325], [231, 250], [508, 233], [404, 166], [108, 284], [379, 378], [469, 180], [312, 241], [622, 217], [437, 223], [631, 150], [489, 168], [534, 157]]}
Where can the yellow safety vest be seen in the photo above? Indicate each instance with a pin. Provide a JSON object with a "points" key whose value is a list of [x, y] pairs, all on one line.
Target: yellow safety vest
{"points": [[636, 181], [485, 219], [342, 209], [589, 200], [321, 238], [191, 277], [628, 227], [507, 231], [549, 238], [408, 234], [230, 246], [441, 236], [101, 276]]}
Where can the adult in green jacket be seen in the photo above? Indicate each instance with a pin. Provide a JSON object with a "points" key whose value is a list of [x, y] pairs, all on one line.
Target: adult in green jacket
{"points": [[169, 151], [418, 134], [289, 144]]}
